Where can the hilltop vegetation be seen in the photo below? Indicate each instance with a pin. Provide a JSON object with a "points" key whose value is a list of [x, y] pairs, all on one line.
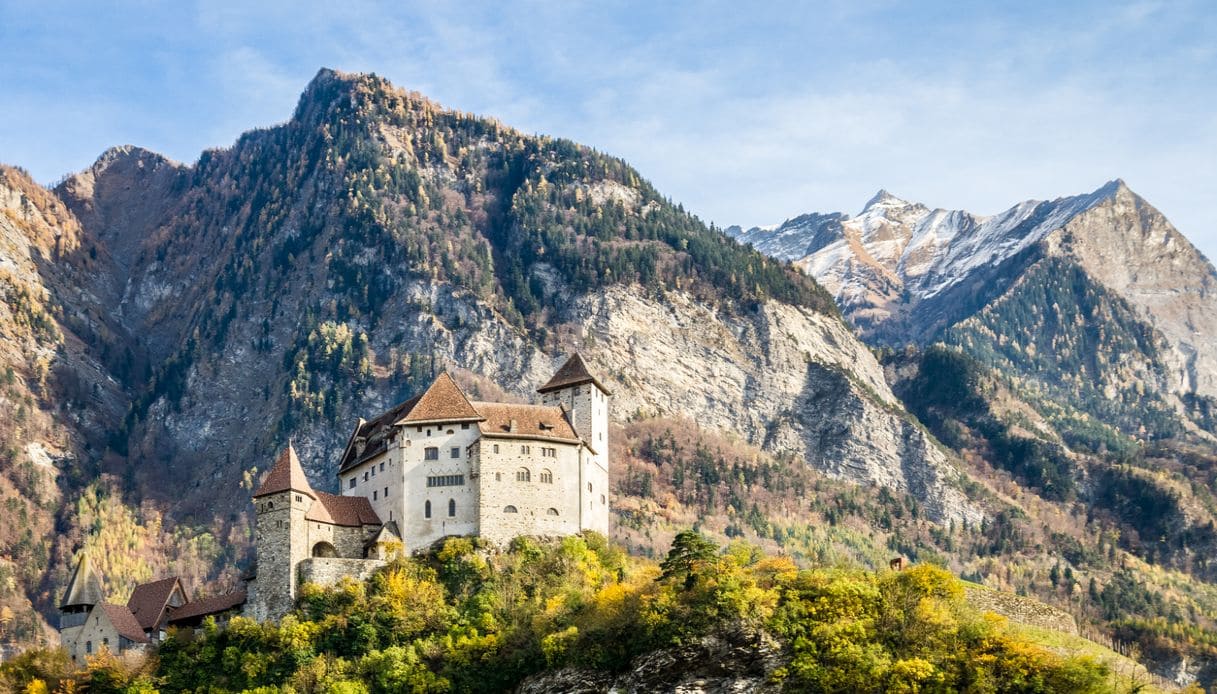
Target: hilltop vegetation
{"points": [[463, 619]]}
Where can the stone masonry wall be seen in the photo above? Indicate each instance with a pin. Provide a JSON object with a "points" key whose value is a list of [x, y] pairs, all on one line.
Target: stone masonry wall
{"points": [[500, 488], [329, 571]]}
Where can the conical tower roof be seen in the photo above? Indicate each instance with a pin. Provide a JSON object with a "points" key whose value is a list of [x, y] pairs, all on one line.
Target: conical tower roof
{"points": [[443, 401], [573, 373], [286, 475], [84, 590]]}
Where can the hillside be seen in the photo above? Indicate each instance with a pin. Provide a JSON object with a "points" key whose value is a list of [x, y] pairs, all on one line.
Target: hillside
{"points": [[576, 615], [198, 315], [323, 269]]}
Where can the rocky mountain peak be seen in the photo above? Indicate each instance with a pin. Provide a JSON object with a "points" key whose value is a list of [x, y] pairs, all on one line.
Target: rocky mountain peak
{"points": [[884, 199]]}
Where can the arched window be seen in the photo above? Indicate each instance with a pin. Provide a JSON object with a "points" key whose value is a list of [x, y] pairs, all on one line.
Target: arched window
{"points": [[451, 508], [510, 509], [270, 506], [547, 477], [523, 475], [427, 509], [324, 549], [552, 512]]}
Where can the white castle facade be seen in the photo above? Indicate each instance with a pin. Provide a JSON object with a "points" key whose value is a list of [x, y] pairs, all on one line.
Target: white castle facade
{"points": [[435, 466]]}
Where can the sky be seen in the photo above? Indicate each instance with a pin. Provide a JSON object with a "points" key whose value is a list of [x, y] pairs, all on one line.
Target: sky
{"points": [[747, 113]]}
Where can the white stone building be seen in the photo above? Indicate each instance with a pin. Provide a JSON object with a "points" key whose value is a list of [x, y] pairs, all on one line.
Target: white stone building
{"points": [[435, 466], [440, 464]]}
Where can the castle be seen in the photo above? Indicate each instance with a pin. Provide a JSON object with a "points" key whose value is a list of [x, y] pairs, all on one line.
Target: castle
{"points": [[435, 466]]}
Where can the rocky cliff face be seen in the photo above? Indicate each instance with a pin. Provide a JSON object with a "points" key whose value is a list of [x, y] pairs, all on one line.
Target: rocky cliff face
{"points": [[293, 297]]}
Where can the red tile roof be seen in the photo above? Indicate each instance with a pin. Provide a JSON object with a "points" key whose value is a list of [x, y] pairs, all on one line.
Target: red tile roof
{"points": [[574, 372], [443, 401], [286, 474], [149, 600], [530, 420], [207, 606], [124, 622], [350, 511]]}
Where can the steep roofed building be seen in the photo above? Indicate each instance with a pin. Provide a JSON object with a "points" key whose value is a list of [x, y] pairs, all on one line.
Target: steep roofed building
{"points": [[435, 466]]}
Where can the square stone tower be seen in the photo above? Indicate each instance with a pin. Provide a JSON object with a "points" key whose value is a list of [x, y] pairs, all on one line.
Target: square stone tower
{"points": [[281, 503], [586, 401]]}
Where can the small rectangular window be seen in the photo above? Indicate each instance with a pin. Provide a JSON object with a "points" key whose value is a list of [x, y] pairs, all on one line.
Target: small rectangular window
{"points": [[373, 470], [456, 452], [496, 448], [351, 483], [382, 467], [386, 492], [465, 425], [431, 453], [365, 475], [375, 495]]}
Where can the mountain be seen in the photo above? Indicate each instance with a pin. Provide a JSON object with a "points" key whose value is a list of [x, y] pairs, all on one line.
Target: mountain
{"points": [[171, 325], [1097, 297], [191, 318]]}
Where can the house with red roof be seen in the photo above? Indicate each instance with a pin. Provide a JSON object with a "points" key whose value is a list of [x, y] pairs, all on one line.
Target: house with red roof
{"points": [[88, 624]]}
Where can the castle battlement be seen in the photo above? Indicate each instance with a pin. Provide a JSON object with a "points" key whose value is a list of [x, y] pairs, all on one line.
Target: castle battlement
{"points": [[434, 466]]}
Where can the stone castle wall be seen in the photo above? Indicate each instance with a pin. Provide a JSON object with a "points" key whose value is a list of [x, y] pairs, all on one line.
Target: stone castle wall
{"points": [[329, 571], [533, 500]]}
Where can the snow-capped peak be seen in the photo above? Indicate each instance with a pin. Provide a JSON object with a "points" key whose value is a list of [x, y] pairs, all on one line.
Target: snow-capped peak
{"points": [[884, 198]]}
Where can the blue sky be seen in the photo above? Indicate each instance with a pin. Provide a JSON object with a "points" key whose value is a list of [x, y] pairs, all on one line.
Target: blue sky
{"points": [[746, 114]]}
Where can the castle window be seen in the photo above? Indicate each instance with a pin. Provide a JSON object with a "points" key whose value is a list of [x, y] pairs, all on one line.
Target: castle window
{"points": [[523, 475], [549, 452], [365, 475], [419, 429], [547, 477], [465, 425], [498, 477], [451, 432], [105, 641], [552, 512], [510, 509], [270, 506], [451, 507], [446, 481], [456, 452], [496, 448], [386, 492], [602, 498], [373, 471], [299, 498], [427, 509], [589, 487], [431, 453], [375, 495], [88, 646], [525, 450], [351, 483], [382, 467]]}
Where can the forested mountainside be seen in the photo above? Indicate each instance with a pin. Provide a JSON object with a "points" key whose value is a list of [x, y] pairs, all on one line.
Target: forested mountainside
{"points": [[325, 268], [197, 316], [1069, 345]]}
